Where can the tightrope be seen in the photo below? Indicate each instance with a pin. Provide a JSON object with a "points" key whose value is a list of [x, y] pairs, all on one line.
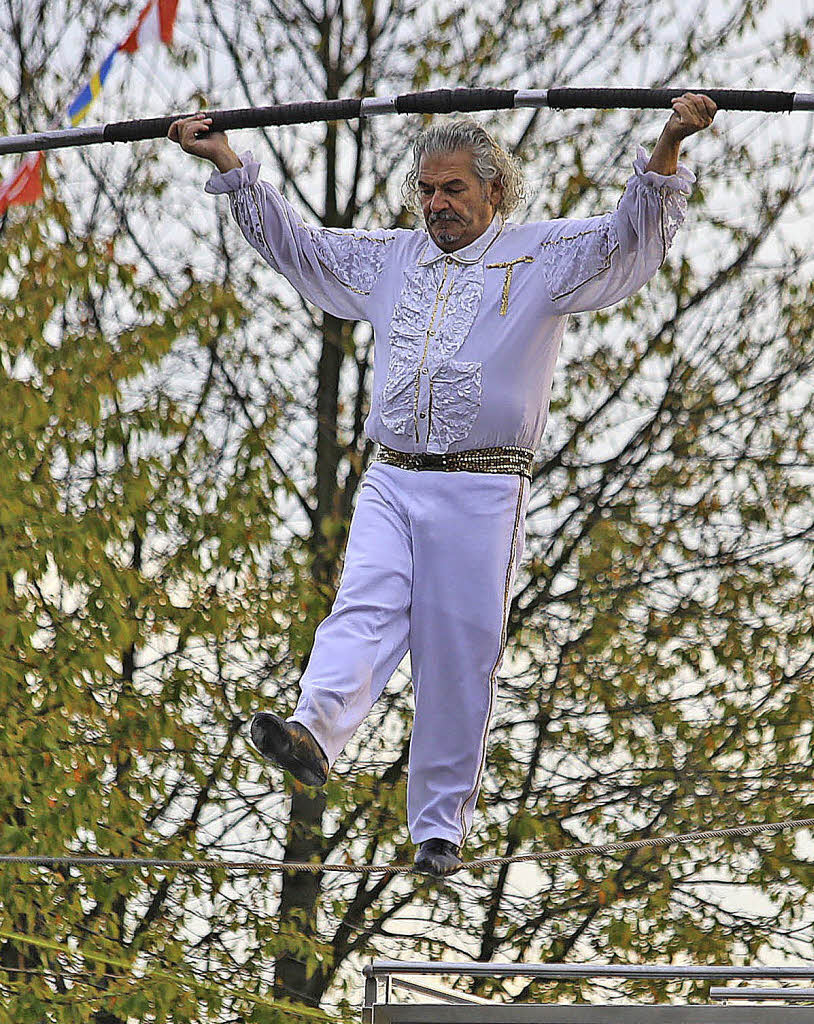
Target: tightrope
{"points": [[267, 866]]}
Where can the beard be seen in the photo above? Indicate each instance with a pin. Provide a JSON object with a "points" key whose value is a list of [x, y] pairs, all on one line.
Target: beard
{"points": [[446, 227]]}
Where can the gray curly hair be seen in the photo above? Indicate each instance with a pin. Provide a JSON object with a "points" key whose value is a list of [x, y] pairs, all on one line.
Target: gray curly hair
{"points": [[489, 160]]}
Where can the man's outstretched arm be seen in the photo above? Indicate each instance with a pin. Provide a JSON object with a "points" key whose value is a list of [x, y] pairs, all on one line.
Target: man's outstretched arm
{"points": [[597, 261], [334, 269], [692, 113]]}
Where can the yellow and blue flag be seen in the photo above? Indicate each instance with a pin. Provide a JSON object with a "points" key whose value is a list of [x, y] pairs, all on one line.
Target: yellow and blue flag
{"points": [[81, 105], [155, 24]]}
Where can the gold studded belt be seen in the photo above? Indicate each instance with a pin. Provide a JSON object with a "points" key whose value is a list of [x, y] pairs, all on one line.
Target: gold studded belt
{"points": [[510, 459]]}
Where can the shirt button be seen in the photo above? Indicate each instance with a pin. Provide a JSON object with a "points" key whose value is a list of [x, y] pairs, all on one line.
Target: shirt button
{"points": [[422, 415], [424, 370]]}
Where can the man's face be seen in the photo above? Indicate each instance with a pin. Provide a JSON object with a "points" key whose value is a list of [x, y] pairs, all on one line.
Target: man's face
{"points": [[457, 206]]}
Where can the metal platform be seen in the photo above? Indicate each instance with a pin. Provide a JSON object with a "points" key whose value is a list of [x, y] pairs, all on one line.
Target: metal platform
{"points": [[382, 976]]}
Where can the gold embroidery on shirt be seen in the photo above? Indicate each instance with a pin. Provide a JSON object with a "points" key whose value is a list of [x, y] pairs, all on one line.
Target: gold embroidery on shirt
{"points": [[430, 333], [570, 238], [507, 283], [356, 237], [593, 277], [334, 274], [256, 194]]}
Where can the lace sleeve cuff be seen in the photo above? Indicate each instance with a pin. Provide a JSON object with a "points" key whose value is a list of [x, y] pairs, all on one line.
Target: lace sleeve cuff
{"points": [[681, 181], [238, 177]]}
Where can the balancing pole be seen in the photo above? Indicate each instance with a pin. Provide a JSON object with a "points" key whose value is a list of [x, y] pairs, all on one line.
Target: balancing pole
{"points": [[437, 101]]}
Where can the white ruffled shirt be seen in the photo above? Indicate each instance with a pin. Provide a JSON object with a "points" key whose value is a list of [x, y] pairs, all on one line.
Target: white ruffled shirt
{"points": [[465, 342]]}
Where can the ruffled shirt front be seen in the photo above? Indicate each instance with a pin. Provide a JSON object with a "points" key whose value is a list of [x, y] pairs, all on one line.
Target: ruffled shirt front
{"points": [[465, 342]]}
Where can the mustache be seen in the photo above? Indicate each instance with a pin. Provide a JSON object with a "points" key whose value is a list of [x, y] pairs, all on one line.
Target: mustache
{"points": [[435, 217]]}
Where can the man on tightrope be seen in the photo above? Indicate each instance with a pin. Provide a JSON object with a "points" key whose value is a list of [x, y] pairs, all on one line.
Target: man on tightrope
{"points": [[468, 314]]}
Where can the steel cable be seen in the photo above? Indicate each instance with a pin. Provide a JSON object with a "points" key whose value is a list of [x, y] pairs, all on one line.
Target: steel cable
{"points": [[264, 866]]}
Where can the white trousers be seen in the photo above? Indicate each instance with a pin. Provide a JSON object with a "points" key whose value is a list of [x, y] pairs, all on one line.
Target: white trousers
{"points": [[430, 564]]}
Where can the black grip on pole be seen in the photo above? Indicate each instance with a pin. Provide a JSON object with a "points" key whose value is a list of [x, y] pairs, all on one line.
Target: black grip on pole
{"points": [[725, 99], [447, 101], [135, 131], [287, 113], [250, 117]]}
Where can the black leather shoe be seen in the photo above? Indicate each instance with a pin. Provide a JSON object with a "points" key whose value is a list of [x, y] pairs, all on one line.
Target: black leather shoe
{"points": [[437, 857], [290, 746]]}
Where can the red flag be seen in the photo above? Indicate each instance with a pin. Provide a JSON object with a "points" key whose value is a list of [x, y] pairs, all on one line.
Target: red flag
{"points": [[25, 186], [155, 24]]}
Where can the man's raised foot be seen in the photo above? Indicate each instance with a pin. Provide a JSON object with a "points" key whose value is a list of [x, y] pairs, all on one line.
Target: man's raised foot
{"points": [[290, 746], [437, 857]]}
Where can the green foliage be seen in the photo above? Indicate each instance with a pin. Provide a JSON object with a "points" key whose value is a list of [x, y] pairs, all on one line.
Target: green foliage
{"points": [[125, 564]]}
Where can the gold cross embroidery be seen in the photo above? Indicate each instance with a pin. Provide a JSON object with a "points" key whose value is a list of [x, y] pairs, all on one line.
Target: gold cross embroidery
{"points": [[509, 268]]}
